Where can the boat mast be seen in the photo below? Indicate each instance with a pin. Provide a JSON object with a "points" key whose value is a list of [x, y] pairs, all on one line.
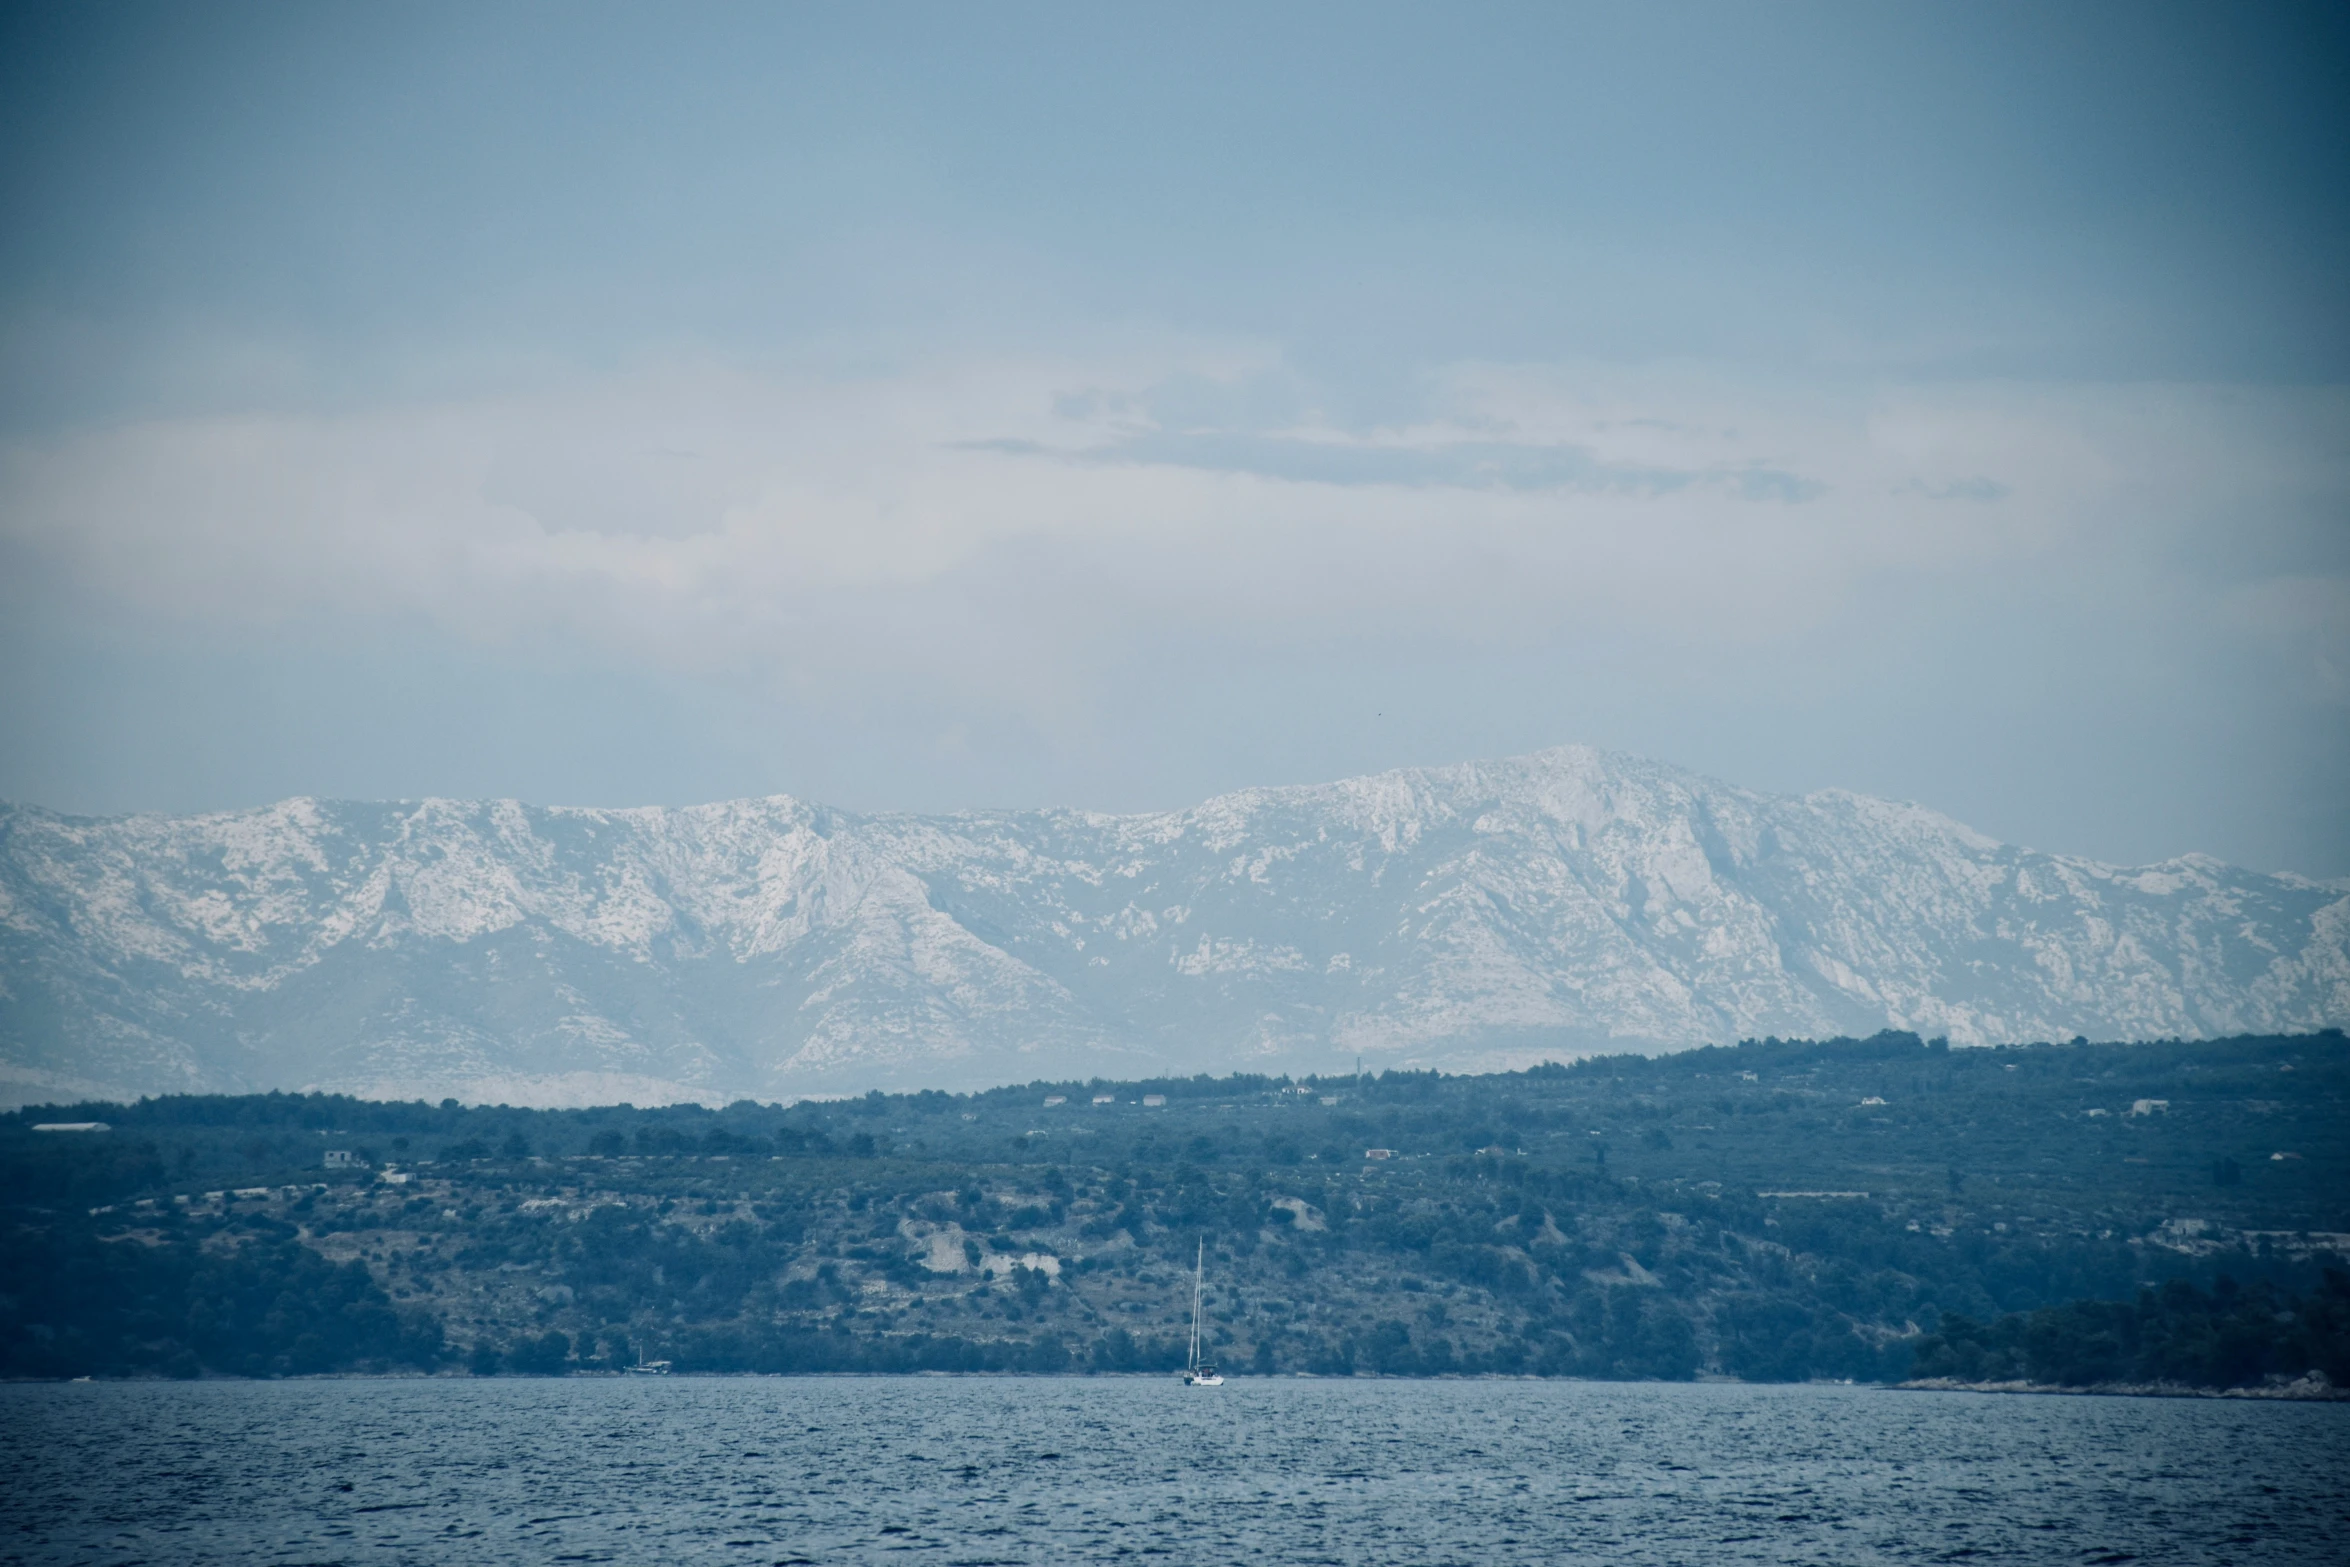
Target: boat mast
{"points": [[1199, 1275]]}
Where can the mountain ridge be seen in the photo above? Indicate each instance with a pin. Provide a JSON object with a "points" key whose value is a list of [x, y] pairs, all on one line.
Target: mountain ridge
{"points": [[1464, 916]]}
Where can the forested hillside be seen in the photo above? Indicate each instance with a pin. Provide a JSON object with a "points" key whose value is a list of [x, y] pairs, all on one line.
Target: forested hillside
{"points": [[1777, 1210], [2177, 1336]]}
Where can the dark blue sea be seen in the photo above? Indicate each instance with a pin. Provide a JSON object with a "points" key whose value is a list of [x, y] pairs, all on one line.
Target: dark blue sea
{"points": [[1001, 1470]]}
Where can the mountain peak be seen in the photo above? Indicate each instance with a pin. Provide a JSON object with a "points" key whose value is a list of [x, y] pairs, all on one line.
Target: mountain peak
{"points": [[1463, 916]]}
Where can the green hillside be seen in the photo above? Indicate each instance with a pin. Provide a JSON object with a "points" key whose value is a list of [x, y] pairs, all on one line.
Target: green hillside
{"points": [[1777, 1210]]}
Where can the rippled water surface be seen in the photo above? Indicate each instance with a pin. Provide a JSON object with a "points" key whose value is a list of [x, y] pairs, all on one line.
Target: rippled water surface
{"points": [[984, 1470]]}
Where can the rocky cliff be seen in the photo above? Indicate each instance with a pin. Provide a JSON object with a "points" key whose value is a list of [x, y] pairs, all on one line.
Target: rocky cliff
{"points": [[1467, 916]]}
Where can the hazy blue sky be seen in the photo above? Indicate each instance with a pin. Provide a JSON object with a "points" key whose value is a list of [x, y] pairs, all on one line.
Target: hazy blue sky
{"points": [[929, 407]]}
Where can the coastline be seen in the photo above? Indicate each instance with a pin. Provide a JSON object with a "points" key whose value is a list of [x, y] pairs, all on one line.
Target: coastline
{"points": [[2312, 1388]]}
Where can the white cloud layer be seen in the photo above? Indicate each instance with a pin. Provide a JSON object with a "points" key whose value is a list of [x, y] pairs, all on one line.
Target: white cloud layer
{"points": [[1004, 527]]}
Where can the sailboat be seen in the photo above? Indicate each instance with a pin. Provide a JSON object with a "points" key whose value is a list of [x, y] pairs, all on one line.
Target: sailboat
{"points": [[1197, 1372]]}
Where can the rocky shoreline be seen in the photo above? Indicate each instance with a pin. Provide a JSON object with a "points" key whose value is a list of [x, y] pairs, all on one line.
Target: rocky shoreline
{"points": [[2313, 1387]]}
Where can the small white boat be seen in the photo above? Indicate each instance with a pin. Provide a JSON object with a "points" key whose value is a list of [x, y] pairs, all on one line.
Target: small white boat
{"points": [[649, 1368], [1197, 1372]]}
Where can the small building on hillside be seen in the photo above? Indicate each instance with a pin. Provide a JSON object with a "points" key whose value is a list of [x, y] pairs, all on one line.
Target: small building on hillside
{"points": [[344, 1159], [71, 1126], [1153, 1101]]}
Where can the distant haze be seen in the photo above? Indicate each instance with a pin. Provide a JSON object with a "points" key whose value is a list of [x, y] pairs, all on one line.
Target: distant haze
{"points": [[929, 408]]}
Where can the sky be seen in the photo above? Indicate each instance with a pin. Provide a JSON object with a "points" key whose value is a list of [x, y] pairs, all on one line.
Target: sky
{"points": [[927, 408]]}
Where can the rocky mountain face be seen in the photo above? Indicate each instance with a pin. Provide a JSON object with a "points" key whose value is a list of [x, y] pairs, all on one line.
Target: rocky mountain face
{"points": [[1466, 917]]}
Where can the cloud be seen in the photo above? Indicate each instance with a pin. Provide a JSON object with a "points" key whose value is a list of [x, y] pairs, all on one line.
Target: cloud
{"points": [[1469, 465], [1002, 526]]}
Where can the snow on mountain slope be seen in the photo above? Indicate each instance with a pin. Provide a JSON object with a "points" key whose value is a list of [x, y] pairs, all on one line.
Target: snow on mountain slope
{"points": [[1468, 916]]}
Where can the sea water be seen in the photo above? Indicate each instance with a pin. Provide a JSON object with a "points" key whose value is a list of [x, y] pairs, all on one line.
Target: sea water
{"points": [[1017, 1470]]}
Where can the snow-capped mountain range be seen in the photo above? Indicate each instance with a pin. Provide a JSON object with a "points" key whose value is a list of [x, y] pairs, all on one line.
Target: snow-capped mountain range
{"points": [[1464, 917]]}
